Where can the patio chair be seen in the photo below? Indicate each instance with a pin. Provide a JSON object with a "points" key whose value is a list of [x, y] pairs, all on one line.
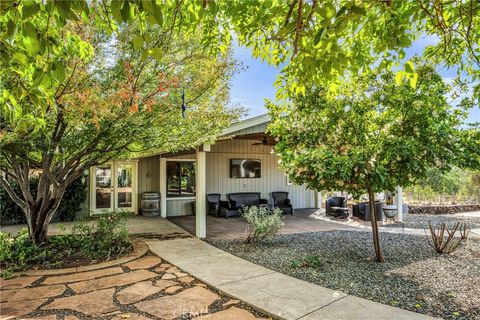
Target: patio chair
{"points": [[281, 201], [334, 202], [362, 211], [214, 204]]}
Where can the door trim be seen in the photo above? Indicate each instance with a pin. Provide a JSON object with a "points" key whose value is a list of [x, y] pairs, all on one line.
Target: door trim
{"points": [[114, 205]]}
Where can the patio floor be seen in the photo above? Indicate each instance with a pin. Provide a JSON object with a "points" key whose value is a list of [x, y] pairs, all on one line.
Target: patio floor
{"points": [[231, 228]]}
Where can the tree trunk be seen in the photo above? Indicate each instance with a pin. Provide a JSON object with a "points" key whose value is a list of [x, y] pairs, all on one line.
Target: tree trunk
{"points": [[376, 235]]}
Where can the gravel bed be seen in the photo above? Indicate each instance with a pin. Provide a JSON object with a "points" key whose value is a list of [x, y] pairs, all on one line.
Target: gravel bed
{"points": [[420, 221], [413, 277]]}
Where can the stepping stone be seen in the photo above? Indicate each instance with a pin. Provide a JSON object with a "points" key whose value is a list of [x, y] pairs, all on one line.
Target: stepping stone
{"points": [[164, 283], [137, 292], [231, 302], [159, 269], [230, 314], [201, 285], [92, 304], [19, 282], [25, 294], [194, 300], [166, 265], [186, 279], [181, 274], [143, 263], [172, 270], [172, 290], [81, 276], [112, 281], [168, 276], [71, 318], [130, 316], [19, 308]]}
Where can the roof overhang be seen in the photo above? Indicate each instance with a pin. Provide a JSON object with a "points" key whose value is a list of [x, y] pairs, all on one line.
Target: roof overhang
{"points": [[247, 123]]}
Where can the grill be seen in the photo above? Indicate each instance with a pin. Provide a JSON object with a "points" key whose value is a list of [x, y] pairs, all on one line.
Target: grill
{"points": [[150, 204]]}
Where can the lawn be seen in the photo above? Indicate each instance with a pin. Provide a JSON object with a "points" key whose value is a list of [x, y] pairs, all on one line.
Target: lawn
{"points": [[413, 277]]}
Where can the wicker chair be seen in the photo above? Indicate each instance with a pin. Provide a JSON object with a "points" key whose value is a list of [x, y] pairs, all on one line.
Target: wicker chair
{"points": [[281, 201]]}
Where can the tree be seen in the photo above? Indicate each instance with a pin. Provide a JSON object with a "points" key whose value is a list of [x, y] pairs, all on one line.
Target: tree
{"points": [[115, 101], [319, 42], [380, 136]]}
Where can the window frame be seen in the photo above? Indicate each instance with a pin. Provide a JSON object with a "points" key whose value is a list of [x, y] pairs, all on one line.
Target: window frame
{"points": [[179, 197]]}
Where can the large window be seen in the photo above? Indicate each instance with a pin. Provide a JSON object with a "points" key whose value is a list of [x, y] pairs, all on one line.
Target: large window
{"points": [[180, 179]]}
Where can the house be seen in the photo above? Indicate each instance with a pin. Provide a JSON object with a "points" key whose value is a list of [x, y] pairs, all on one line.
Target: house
{"points": [[240, 161]]}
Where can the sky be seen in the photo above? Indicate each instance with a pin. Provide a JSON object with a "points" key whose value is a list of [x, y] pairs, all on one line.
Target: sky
{"points": [[254, 82]]}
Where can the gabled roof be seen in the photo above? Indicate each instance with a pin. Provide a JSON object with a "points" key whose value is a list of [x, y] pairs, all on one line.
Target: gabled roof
{"points": [[245, 124]]}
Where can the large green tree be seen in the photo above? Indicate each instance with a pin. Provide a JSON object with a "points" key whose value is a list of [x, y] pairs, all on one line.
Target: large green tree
{"points": [[380, 136], [115, 101]]}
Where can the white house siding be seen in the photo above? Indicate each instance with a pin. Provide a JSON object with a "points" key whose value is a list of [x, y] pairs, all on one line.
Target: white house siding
{"points": [[272, 178], [148, 175]]}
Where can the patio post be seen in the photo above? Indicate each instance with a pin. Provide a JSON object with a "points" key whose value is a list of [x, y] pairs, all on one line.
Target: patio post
{"points": [[163, 187], [399, 202], [200, 208]]}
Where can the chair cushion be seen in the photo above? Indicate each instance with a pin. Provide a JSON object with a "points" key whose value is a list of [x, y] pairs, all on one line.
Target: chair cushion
{"points": [[244, 199]]}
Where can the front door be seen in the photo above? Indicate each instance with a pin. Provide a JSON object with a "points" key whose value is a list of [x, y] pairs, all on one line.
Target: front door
{"points": [[114, 187]]}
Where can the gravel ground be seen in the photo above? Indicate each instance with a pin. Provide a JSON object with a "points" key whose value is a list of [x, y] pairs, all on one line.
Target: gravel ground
{"points": [[413, 277], [420, 221]]}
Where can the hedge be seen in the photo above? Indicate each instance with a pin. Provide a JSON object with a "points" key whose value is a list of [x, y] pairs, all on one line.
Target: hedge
{"points": [[75, 195]]}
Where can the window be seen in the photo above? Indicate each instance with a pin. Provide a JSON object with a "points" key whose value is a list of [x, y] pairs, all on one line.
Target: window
{"points": [[180, 179]]}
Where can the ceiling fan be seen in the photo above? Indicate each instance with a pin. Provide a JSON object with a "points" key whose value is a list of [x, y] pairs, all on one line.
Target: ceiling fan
{"points": [[263, 142]]}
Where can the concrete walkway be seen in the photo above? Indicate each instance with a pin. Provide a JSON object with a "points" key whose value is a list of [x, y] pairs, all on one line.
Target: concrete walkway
{"points": [[269, 291]]}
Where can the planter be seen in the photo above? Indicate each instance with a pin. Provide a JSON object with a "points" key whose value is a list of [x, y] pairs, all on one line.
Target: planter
{"points": [[390, 211]]}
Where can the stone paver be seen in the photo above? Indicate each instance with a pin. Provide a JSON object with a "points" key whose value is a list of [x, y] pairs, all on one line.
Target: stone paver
{"points": [[173, 289], [194, 301], [26, 294], [70, 317], [112, 281], [168, 276], [19, 282], [48, 317], [130, 316], [163, 284], [19, 308], [186, 279], [137, 292], [81, 276], [92, 304], [232, 313], [231, 302], [143, 263]]}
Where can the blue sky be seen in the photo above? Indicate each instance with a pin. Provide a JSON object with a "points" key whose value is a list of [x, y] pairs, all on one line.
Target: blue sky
{"points": [[254, 84]]}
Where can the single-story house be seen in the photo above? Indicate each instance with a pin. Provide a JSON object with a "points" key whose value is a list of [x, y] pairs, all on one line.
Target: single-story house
{"points": [[241, 160]]}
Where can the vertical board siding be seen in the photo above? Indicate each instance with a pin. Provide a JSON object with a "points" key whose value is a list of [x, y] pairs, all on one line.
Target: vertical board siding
{"points": [[180, 207], [148, 176], [272, 178]]}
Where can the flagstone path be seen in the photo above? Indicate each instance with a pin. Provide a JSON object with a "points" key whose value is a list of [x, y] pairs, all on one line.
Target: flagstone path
{"points": [[144, 288]]}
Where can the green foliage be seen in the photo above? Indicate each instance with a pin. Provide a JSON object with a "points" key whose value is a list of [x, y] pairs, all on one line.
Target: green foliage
{"points": [[102, 238], [262, 223], [381, 136], [75, 195], [308, 261]]}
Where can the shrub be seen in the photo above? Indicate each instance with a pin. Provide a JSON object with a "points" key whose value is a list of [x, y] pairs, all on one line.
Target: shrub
{"points": [[446, 244], [309, 261], [262, 223], [102, 238], [75, 195]]}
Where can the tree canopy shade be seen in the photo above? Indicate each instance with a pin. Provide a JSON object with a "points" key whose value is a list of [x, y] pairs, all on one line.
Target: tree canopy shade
{"points": [[380, 136], [113, 103]]}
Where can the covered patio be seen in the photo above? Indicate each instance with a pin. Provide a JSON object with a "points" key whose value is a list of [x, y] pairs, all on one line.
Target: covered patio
{"points": [[233, 228]]}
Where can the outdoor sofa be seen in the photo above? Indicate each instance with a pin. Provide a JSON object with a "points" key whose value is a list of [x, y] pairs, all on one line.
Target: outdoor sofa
{"points": [[238, 201]]}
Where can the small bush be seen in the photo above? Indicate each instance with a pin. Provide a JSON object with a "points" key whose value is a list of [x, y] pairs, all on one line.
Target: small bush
{"points": [[309, 261], [262, 223], [102, 238], [446, 243]]}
